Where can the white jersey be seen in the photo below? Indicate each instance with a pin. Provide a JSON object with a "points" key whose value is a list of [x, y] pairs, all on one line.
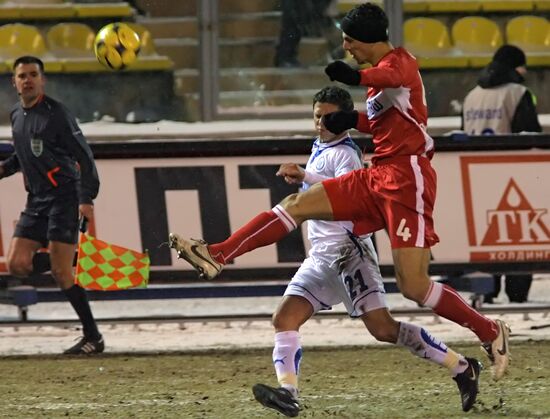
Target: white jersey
{"points": [[330, 160], [341, 267]]}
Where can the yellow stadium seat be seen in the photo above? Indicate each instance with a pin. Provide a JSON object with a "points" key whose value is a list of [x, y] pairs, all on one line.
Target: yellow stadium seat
{"points": [[17, 39], [530, 33], [423, 35], [477, 37], [428, 39], [71, 40]]}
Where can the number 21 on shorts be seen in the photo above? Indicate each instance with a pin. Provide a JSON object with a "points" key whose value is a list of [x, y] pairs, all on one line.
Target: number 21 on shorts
{"points": [[403, 231]]}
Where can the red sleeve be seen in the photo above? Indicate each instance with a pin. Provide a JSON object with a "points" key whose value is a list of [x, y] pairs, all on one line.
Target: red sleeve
{"points": [[363, 123], [386, 74]]}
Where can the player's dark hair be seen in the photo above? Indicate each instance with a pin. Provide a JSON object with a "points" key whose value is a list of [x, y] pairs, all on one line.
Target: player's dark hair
{"points": [[29, 59], [366, 23], [336, 96]]}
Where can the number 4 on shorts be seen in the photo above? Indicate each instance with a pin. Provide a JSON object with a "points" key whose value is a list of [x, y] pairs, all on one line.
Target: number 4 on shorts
{"points": [[403, 231]]}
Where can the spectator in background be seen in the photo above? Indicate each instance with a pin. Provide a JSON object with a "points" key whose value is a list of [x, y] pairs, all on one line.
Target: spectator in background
{"points": [[305, 18], [501, 104]]}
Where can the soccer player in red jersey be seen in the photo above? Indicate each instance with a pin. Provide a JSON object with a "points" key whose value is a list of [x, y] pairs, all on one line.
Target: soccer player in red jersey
{"points": [[396, 193]]}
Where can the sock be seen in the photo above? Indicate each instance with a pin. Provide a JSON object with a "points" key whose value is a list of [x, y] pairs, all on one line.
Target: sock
{"points": [[287, 355], [41, 263], [78, 299], [447, 303], [266, 228], [425, 346]]}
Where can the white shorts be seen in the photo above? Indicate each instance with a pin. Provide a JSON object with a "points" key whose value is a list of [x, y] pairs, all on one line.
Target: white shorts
{"points": [[350, 275]]}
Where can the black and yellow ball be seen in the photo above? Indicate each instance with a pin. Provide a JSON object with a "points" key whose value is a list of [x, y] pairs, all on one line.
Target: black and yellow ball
{"points": [[116, 46]]}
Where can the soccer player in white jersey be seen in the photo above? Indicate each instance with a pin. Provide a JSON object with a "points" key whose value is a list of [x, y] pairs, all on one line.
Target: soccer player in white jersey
{"points": [[342, 267], [396, 193]]}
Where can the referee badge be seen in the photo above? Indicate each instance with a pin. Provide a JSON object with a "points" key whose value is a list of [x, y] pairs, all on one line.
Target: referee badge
{"points": [[37, 146]]}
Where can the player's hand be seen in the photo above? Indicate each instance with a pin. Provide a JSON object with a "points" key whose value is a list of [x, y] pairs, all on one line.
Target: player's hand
{"points": [[340, 71], [339, 121], [87, 210], [291, 172]]}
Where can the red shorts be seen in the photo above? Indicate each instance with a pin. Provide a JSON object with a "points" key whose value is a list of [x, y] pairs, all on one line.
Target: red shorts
{"points": [[396, 194]]}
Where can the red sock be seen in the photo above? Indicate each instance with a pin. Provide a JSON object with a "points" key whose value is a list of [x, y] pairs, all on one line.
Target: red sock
{"points": [[264, 229], [448, 303]]}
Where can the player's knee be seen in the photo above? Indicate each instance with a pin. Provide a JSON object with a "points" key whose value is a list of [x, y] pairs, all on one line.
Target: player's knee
{"points": [[282, 322], [414, 290], [291, 204], [413, 294], [19, 267]]}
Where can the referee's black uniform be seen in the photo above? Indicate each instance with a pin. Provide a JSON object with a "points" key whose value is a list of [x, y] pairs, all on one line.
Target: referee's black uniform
{"points": [[58, 168]]}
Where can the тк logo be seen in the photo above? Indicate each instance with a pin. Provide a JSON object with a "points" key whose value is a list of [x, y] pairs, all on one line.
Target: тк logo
{"points": [[507, 217], [515, 221]]}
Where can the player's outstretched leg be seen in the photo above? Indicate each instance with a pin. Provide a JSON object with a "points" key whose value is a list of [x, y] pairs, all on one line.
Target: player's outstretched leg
{"points": [[468, 383], [498, 351], [277, 398], [196, 253]]}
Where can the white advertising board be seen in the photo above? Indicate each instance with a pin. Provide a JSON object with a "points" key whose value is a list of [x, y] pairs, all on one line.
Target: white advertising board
{"points": [[491, 206]]}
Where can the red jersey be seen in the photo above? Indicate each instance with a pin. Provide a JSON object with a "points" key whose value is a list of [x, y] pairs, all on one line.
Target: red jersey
{"points": [[396, 107]]}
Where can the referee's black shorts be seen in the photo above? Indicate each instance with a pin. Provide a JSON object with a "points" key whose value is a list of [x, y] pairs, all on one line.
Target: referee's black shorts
{"points": [[49, 218]]}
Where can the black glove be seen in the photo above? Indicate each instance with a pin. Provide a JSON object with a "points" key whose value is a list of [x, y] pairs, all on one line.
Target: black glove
{"points": [[340, 71], [338, 122]]}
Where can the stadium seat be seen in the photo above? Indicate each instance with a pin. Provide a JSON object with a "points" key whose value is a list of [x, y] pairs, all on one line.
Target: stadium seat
{"points": [[70, 40], [428, 39], [17, 39], [477, 37], [532, 34]]}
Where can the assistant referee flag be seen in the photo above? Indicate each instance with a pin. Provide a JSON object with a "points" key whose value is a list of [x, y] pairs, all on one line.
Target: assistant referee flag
{"points": [[108, 267]]}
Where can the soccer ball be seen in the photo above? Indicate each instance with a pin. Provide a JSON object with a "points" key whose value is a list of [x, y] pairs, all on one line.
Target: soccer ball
{"points": [[116, 46]]}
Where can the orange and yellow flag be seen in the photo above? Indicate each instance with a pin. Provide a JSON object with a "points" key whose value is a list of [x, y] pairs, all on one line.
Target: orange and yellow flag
{"points": [[108, 267]]}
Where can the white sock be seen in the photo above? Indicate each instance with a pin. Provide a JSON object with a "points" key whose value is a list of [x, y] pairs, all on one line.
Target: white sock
{"points": [[287, 355], [425, 346]]}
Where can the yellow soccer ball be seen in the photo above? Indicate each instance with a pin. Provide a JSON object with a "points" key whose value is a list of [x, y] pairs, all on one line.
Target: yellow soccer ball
{"points": [[116, 46]]}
